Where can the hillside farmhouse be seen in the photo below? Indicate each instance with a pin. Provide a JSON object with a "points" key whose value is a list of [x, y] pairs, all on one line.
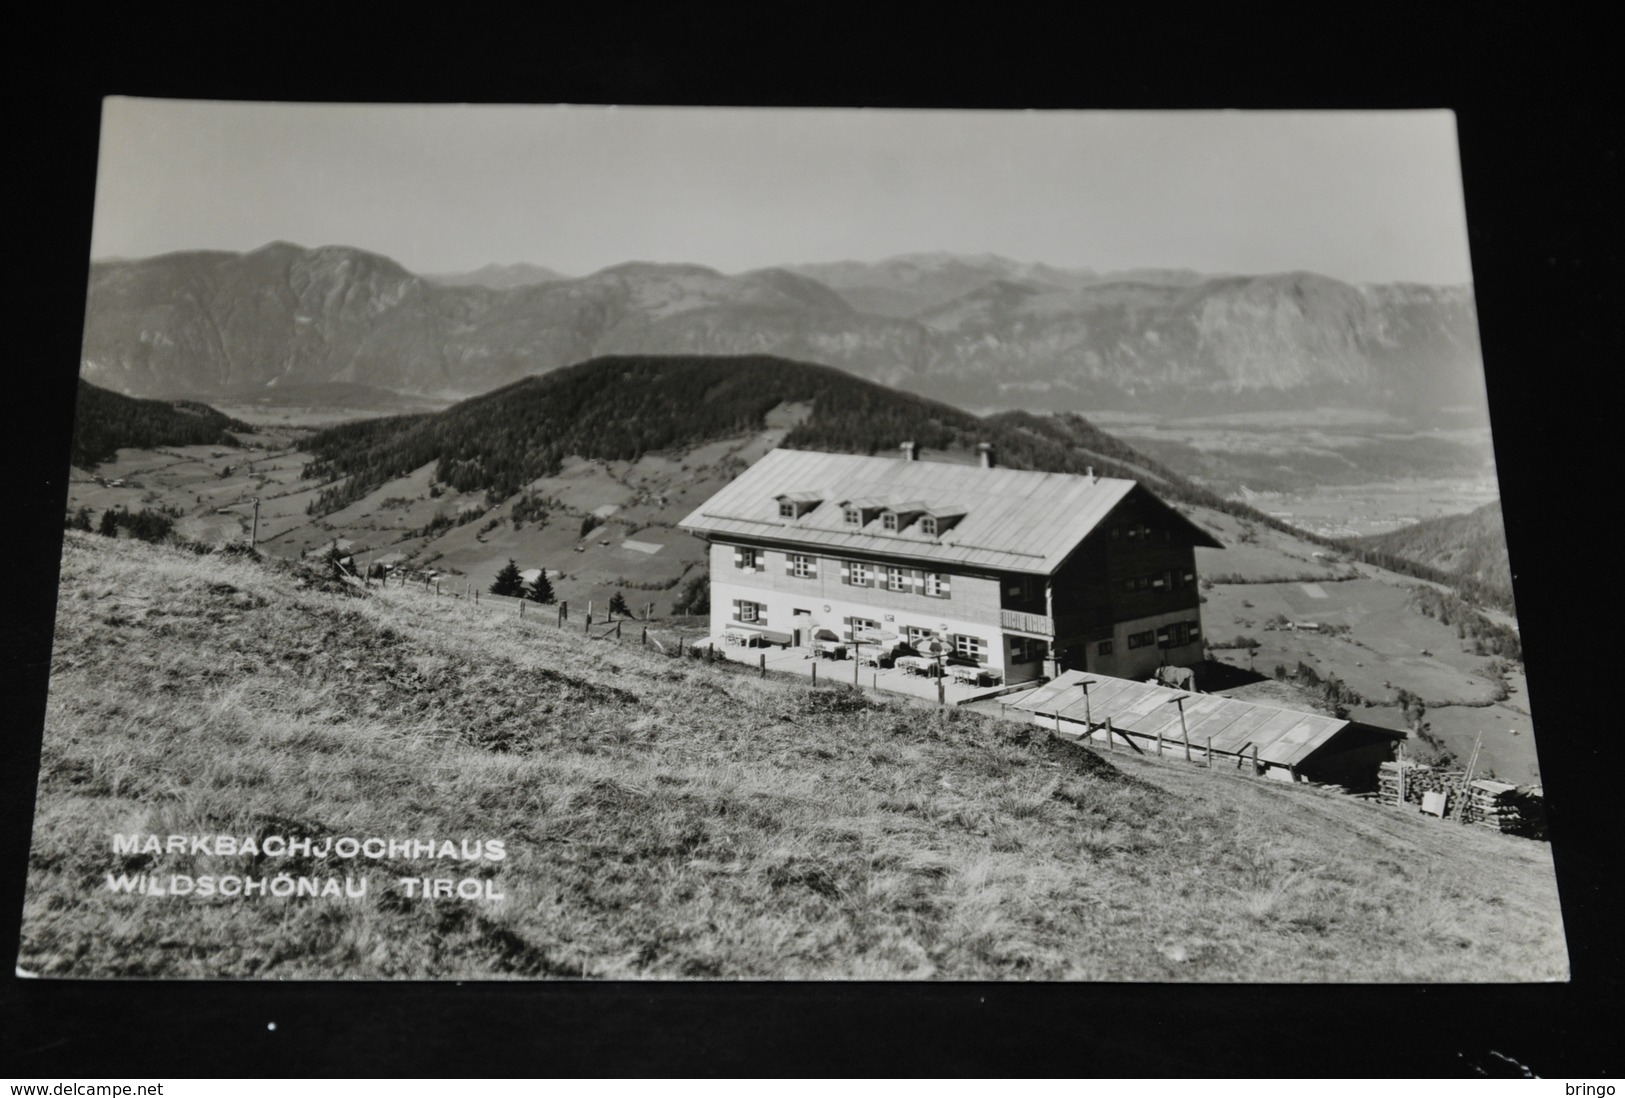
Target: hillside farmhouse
{"points": [[1023, 573]]}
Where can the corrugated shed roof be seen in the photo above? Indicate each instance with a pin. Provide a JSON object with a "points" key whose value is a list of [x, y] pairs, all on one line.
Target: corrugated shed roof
{"points": [[1014, 519], [1283, 736]]}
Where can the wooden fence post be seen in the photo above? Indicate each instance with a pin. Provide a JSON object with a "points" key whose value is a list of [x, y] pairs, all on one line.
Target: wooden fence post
{"points": [[1255, 760], [617, 630], [587, 625], [764, 664], [815, 672], [1110, 739], [679, 646], [645, 639], [1210, 752], [1159, 743], [521, 609]]}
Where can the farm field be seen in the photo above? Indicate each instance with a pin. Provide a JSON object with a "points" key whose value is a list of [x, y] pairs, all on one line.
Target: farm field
{"points": [[666, 818], [633, 547], [1341, 473], [1380, 641]]}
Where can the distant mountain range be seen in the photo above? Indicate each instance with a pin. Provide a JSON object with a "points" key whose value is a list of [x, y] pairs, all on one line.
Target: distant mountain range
{"points": [[499, 276], [977, 331]]}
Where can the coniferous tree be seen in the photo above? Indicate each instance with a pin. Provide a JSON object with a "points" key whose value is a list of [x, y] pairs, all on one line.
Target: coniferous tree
{"points": [[541, 588], [617, 605], [109, 524], [508, 581]]}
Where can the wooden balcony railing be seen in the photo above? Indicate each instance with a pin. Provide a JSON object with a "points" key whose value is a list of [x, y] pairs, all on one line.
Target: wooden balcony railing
{"points": [[1042, 624]]}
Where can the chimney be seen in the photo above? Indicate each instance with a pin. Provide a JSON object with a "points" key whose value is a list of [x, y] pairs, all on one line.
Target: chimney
{"points": [[985, 450], [908, 451]]}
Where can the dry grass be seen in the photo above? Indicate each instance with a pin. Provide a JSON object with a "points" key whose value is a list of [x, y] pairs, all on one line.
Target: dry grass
{"points": [[667, 819]]}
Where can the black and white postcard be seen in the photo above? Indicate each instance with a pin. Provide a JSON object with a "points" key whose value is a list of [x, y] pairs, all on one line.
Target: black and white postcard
{"points": [[713, 544]]}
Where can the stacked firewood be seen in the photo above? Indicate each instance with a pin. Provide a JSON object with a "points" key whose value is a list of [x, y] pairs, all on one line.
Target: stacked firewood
{"points": [[1418, 779], [1489, 803], [1504, 807]]}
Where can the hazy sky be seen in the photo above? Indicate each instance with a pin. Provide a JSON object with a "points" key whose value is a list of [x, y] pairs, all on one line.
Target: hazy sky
{"points": [[1370, 197]]}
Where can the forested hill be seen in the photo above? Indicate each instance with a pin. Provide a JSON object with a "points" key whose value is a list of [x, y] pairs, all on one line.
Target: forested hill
{"points": [[1472, 547], [620, 407], [105, 422]]}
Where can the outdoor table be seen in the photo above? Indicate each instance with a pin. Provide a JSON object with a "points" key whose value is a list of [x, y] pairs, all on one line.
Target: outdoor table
{"points": [[917, 665]]}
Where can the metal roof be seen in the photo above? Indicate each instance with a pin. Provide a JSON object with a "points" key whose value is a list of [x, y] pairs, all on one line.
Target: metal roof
{"points": [[1014, 519], [1283, 736]]}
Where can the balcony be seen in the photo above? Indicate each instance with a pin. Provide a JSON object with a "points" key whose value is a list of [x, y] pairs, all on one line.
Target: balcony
{"points": [[1021, 622]]}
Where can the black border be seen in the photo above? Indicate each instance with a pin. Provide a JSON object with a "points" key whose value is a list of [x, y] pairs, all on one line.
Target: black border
{"points": [[1540, 146]]}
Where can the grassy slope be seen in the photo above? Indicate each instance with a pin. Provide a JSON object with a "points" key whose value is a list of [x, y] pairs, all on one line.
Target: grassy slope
{"points": [[669, 819]]}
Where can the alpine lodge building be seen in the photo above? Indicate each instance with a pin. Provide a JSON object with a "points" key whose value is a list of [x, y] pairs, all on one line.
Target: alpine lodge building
{"points": [[1025, 574]]}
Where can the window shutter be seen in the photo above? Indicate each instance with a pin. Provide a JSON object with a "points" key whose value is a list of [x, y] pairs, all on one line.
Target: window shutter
{"points": [[789, 564], [846, 575], [739, 557], [946, 590]]}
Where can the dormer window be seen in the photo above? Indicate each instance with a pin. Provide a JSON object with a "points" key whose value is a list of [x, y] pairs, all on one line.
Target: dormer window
{"points": [[888, 520], [938, 519], [860, 512], [792, 505]]}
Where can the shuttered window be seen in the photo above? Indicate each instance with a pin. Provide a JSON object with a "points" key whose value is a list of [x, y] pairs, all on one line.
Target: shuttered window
{"points": [[750, 613], [855, 573], [898, 579], [801, 566], [937, 585], [749, 560], [970, 647]]}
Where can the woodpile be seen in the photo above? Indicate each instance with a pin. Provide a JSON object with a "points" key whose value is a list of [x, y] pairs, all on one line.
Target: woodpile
{"points": [[1416, 780], [1504, 807], [1496, 805]]}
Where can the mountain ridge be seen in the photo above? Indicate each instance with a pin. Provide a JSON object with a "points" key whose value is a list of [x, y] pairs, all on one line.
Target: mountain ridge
{"points": [[996, 333]]}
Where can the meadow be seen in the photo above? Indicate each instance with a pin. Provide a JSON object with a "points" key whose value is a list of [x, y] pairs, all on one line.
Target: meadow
{"points": [[665, 818]]}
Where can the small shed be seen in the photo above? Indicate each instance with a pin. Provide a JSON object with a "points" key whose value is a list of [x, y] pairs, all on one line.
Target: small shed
{"points": [[1288, 743]]}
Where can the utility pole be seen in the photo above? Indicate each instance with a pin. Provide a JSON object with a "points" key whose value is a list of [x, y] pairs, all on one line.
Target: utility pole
{"points": [[254, 537], [1184, 733]]}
